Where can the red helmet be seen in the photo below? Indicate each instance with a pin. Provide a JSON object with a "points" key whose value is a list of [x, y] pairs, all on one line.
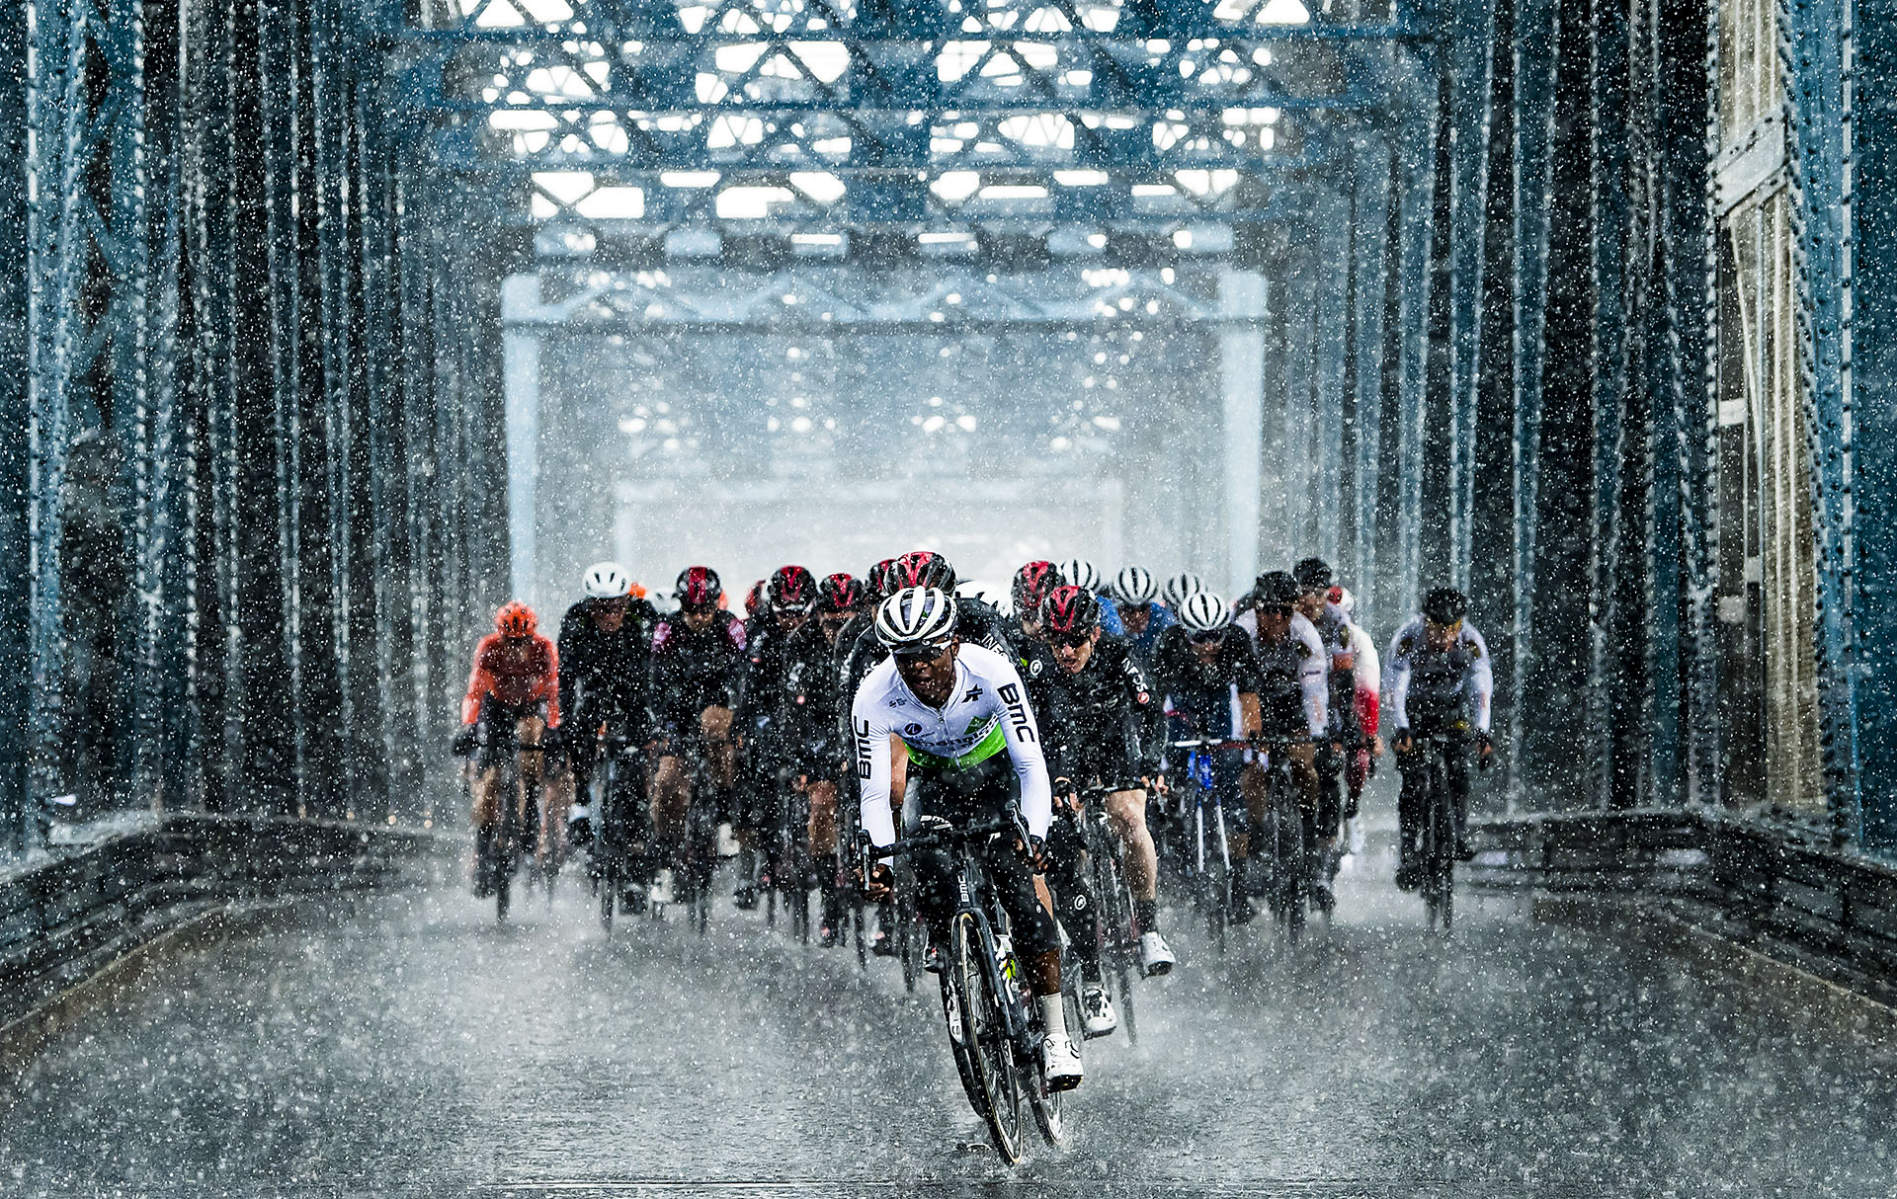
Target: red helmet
{"points": [[1070, 612], [877, 580], [922, 568], [1031, 585], [840, 593], [515, 619], [791, 589], [698, 588], [753, 598]]}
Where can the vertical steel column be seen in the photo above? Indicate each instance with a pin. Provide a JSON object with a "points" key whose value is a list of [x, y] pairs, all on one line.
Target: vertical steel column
{"points": [[1301, 334], [1469, 61], [58, 240], [121, 123], [1814, 60], [1242, 423], [521, 352], [1370, 228], [1537, 26], [1871, 113], [1331, 266], [16, 549], [1417, 234], [1612, 227], [265, 707]]}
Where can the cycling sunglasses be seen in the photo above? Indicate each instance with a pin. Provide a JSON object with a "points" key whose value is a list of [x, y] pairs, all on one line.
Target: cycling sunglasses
{"points": [[1210, 637], [1070, 640], [917, 654], [1275, 609]]}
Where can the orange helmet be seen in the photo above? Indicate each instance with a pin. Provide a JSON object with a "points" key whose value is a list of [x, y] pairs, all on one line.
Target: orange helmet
{"points": [[637, 591], [515, 619]]}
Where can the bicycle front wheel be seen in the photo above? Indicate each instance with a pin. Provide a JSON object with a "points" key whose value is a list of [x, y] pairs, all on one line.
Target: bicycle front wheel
{"points": [[986, 1032]]}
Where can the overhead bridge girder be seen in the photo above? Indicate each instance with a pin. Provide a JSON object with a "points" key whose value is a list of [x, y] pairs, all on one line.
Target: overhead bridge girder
{"points": [[833, 300]]}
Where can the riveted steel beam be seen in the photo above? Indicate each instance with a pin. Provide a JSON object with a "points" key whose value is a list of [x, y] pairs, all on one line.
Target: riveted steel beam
{"points": [[16, 547]]}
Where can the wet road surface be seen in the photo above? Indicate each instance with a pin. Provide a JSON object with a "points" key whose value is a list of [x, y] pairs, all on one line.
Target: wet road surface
{"points": [[404, 1043]]}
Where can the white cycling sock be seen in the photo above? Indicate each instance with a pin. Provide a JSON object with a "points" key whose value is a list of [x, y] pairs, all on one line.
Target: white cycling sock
{"points": [[1053, 1015]]}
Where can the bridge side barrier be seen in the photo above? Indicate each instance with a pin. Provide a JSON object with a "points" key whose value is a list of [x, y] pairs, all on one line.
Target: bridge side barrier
{"points": [[1777, 887], [69, 917]]}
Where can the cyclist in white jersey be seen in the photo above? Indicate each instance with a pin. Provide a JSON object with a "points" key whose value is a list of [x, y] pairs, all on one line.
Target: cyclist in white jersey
{"points": [[973, 750]]}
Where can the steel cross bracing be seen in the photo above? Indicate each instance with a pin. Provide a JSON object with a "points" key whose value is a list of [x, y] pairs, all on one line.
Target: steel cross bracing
{"points": [[635, 116]]}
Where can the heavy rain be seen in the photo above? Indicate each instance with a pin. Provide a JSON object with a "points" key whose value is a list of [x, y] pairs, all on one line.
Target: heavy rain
{"points": [[840, 597]]}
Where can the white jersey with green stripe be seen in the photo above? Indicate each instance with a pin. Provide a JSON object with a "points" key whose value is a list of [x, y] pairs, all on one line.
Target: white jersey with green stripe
{"points": [[987, 713]]}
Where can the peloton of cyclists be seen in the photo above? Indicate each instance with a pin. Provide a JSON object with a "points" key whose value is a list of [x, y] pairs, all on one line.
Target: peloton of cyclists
{"points": [[683, 700]]}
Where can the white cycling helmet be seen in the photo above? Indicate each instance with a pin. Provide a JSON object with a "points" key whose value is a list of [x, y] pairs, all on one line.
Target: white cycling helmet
{"points": [[606, 580], [1078, 572], [1204, 612], [916, 620], [1133, 586], [1182, 586]]}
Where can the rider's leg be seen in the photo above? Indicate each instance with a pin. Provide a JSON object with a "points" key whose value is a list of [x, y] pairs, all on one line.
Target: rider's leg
{"points": [[1409, 811], [1074, 900], [533, 769], [821, 829], [721, 752], [671, 799], [1127, 811]]}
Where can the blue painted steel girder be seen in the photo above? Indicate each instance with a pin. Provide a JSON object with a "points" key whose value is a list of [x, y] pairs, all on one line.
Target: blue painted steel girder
{"points": [[1871, 436], [15, 414]]}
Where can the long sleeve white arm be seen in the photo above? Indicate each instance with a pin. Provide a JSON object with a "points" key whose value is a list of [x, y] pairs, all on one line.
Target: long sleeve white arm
{"points": [[1024, 749], [872, 751], [1481, 681], [1396, 683]]}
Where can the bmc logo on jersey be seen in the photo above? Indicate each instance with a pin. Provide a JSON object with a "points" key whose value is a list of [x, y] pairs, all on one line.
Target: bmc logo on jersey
{"points": [[1017, 714]]}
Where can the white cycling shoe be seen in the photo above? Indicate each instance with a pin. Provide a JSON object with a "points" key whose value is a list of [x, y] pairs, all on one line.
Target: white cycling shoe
{"points": [[1060, 1062], [1096, 1011], [662, 886], [1155, 955]]}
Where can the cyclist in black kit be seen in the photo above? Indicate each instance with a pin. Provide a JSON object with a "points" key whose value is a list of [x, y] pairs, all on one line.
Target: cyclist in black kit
{"points": [[1102, 725]]}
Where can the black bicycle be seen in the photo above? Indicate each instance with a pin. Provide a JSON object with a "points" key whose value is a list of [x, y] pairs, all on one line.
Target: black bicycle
{"points": [[621, 830], [993, 1021], [1206, 860], [698, 851], [1284, 839], [1119, 935], [498, 846], [1437, 843], [787, 863]]}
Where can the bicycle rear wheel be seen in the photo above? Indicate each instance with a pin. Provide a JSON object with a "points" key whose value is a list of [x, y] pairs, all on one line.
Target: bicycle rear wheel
{"points": [[1116, 943], [986, 1031], [1218, 883], [1291, 865], [1439, 855]]}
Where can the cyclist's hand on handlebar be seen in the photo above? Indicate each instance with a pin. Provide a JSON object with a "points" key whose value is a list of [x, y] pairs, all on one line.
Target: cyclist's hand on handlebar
{"points": [[1402, 743], [1035, 851], [465, 739], [880, 884], [1376, 746], [1485, 751], [1065, 791]]}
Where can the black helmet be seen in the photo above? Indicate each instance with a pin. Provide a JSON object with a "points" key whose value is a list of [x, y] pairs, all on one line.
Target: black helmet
{"points": [[1445, 605], [1276, 589], [1314, 574]]}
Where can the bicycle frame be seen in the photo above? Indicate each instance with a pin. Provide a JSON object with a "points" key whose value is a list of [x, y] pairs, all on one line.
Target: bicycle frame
{"points": [[978, 907]]}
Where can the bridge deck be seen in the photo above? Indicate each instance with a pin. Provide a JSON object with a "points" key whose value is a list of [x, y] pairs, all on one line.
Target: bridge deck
{"points": [[408, 1044]]}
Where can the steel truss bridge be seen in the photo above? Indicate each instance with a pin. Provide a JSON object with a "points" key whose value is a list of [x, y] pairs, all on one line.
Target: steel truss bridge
{"points": [[1580, 305]]}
